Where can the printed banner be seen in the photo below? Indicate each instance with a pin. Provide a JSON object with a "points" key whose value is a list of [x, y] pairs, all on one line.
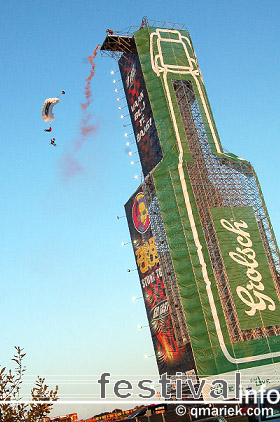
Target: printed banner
{"points": [[170, 357], [246, 266], [139, 106]]}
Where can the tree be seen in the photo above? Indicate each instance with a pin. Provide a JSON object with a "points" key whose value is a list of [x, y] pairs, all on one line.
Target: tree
{"points": [[11, 410]]}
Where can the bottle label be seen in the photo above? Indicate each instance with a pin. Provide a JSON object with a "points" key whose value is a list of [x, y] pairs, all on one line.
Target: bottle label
{"points": [[246, 267]]}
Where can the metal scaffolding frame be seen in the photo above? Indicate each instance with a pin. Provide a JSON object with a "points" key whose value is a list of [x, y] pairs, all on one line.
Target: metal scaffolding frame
{"points": [[121, 41], [165, 260], [220, 182], [216, 182]]}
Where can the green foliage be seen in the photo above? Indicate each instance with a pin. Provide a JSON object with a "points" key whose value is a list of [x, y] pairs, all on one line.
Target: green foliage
{"points": [[11, 410]]}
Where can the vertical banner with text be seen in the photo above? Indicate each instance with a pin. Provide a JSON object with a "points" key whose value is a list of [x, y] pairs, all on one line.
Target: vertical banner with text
{"points": [[170, 357], [139, 106]]}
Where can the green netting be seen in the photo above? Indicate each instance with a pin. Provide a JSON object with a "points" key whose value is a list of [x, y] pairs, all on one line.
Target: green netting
{"points": [[214, 351], [247, 267]]}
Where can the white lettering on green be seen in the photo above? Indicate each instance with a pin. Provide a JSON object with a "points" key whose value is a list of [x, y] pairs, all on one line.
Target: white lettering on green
{"points": [[247, 258]]}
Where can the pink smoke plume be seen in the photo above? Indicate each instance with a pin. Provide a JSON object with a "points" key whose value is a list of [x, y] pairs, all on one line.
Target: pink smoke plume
{"points": [[85, 127], [68, 164]]}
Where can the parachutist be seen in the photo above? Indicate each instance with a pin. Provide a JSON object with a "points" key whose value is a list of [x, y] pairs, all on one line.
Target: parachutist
{"points": [[47, 109], [53, 142], [48, 130]]}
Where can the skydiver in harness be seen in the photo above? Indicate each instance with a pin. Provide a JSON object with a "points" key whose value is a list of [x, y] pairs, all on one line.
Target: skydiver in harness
{"points": [[48, 130], [53, 142]]}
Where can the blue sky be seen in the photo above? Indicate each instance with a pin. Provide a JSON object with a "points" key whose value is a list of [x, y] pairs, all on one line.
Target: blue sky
{"points": [[65, 290]]}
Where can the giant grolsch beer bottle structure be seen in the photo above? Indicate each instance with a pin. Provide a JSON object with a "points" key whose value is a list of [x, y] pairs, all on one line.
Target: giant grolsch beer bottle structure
{"points": [[205, 250]]}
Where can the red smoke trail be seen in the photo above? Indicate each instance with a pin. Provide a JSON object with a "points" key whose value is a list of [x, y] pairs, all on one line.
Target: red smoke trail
{"points": [[88, 80], [68, 163], [85, 127], [69, 166]]}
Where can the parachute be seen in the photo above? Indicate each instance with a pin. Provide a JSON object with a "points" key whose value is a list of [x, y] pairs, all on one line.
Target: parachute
{"points": [[47, 109]]}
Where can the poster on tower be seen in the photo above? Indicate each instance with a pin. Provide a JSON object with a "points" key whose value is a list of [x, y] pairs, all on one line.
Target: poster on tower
{"points": [[140, 111], [170, 357], [252, 287]]}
